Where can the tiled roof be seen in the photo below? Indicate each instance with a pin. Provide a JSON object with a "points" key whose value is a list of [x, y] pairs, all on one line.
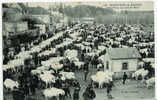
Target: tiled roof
{"points": [[124, 53]]}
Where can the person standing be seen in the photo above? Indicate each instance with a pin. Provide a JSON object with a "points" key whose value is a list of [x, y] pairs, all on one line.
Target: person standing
{"points": [[109, 89], [66, 89], [124, 77], [61, 97], [76, 93], [89, 93], [86, 71], [18, 94], [58, 82], [32, 87], [26, 90], [63, 87]]}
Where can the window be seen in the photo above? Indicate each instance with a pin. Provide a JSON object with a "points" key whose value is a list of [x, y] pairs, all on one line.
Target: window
{"points": [[107, 65], [125, 66]]}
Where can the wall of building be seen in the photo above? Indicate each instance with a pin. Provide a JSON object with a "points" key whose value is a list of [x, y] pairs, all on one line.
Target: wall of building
{"points": [[117, 67], [22, 26], [107, 59], [9, 27], [12, 14], [15, 27], [15, 17], [42, 28], [43, 18]]}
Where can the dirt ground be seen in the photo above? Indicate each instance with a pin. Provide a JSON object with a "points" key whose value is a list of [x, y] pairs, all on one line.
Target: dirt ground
{"points": [[132, 90]]}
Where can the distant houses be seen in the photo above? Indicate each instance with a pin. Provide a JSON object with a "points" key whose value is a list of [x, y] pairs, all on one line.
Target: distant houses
{"points": [[14, 28], [39, 13], [18, 18], [23, 24], [44, 18], [12, 13], [12, 20]]}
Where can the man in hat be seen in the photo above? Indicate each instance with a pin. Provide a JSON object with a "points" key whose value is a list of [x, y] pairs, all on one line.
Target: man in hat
{"points": [[124, 77], [89, 93]]}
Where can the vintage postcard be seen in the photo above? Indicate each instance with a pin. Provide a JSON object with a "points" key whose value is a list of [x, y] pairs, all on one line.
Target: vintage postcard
{"points": [[78, 50]]}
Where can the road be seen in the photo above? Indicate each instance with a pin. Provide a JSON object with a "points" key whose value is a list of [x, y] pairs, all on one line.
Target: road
{"points": [[132, 90]]}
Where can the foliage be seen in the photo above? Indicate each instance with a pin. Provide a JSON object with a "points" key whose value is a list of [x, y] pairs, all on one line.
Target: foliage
{"points": [[127, 18], [108, 15], [86, 11]]}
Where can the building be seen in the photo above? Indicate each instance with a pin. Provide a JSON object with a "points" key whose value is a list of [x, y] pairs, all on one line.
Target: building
{"points": [[12, 19], [39, 13], [119, 60], [12, 13], [14, 28], [42, 16], [41, 27]]}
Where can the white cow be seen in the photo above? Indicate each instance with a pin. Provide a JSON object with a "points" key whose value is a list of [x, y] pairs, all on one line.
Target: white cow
{"points": [[102, 77], [10, 84], [139, 72], [47, 78], [52, 92], [150, 82], [99, 66], [68, 75]]}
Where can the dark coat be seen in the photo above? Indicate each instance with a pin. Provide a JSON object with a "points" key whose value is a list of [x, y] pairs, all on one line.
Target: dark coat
{"points": [[109, 87], [76, 93], [18, 95], [89, 94], [125, 76]]}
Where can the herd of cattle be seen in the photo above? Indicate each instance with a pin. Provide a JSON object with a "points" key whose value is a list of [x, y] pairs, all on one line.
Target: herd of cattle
{"points": [[70, 49]]}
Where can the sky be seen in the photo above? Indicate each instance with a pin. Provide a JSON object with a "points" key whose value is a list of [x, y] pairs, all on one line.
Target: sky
{"points": [[135, 5]]}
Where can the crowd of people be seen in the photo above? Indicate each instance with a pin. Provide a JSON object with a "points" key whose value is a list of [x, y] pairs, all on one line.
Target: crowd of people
{"points": [[76, 47]]}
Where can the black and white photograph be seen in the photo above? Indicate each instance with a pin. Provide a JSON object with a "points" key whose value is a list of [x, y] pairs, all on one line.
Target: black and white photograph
{"points": [[78, 50]]}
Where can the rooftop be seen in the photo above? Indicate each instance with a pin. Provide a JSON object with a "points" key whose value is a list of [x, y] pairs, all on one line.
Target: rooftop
{"points": [[124, 53]]}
